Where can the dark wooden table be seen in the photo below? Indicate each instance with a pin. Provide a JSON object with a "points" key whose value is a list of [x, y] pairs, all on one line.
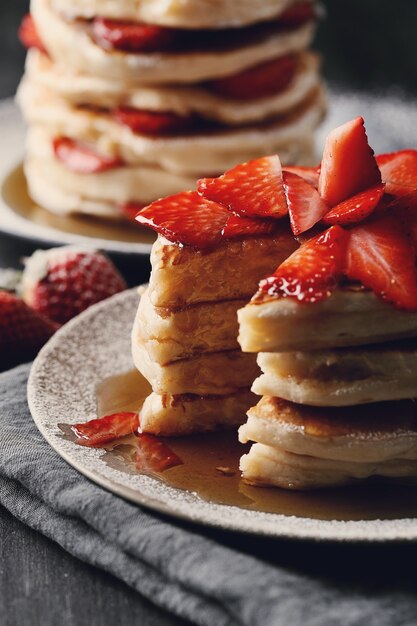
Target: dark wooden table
{"points": [[41, 584]]}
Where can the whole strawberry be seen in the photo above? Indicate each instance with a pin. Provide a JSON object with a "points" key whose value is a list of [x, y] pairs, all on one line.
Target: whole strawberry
{"points": [[22, 331], [62, 282]]}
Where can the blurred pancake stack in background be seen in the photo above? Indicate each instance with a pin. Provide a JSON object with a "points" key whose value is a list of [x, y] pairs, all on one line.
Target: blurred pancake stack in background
{"points": [[129, 101]]}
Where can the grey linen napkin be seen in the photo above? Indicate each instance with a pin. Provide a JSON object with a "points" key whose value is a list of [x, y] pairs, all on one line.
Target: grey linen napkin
{"points": [[207, 577]]}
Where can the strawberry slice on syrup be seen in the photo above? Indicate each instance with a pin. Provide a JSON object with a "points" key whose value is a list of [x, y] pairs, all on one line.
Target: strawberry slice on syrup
{"points": [[258, 82], [28, 34], [382, 258], [131, 36], [399, 171], [152, 122], [99, 431], [80, 158], [355, 209], [312, 272], [153, 455], [348, 165], [252, 189], [305, 206]]}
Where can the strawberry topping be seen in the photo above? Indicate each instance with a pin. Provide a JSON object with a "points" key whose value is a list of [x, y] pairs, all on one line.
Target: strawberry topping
{"points": [[153, 455], [305, 206], [80, 158], [252, 189], [399, 171], [152, 122], [131, 36], [186, 218], [244, 226], [348, 165], [99, 431], [311, 272], [28, 34], [355, 209], [310, 174], [298, 14], [382, 258], [258, 82]]}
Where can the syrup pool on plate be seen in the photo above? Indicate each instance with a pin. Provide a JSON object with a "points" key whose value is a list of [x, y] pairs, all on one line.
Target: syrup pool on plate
{"points": [[210, 468]]}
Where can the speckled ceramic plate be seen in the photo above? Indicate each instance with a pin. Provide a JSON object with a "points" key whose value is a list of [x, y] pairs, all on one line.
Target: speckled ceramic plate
{"points": [[20, 216], [96, 346]]}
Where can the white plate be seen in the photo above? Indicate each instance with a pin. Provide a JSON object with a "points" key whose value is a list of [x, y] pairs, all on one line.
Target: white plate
{"points": [[62, 388]]}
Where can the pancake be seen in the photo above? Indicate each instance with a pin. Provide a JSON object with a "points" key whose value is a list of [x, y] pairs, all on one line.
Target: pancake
{"points": [[342, 377], [188, 154], [185, 414], [347, 318], [172, 335], [175, 13], [199, 100], [182, 276], [212, 373], [69, 43], [300, 447]]}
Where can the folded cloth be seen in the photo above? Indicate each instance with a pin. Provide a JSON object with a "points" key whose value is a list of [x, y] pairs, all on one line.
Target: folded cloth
{"points": [[205, 576]]}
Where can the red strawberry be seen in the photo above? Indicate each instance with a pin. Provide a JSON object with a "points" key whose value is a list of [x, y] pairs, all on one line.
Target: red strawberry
{"points": [[348, 164], [186, 218], [305, 206], [132, 36], [312, 271], [399, 171], [62, 282], [29, 35], [310, 174], [131, 209], [382, 258], [298, 14], [252, 189], [152, 122], [22, 331], [153, 455], [258, 82], [80, 158], [355, 209], [99, 431], [245, 226]]}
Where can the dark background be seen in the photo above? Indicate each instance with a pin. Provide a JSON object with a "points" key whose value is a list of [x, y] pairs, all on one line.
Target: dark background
{"points": [[366, 44]]}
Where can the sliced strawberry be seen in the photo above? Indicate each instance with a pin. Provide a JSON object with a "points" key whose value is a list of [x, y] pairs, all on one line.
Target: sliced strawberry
{"points": [[258, 82], [355, 209], [153, 455], [245, 226], [99, 431], [131, 36], [186, 218], [348, 164], [404, 208], [298, 14], [399, 171], [382, 258], [80, 158], [310, 174], [252, 189], [305, 206], [28, 34], [311, 272], [152, 122], [131, 209]]}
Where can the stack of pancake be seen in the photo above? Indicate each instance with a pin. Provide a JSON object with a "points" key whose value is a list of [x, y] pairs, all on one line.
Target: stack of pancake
{"points": [[338, 382], [128, 101], [185, 334]]}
